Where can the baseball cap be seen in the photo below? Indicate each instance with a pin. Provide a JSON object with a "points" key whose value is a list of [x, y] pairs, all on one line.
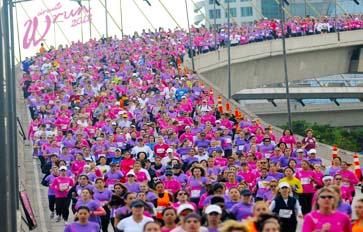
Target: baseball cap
{"points": [[63, 168], [169, 150], [327, 178], [299, 150], [312, 151], [246, 192], [137, 203], [131, 173], [168, 173], [213, 209], [183, 207], [284, 184]]}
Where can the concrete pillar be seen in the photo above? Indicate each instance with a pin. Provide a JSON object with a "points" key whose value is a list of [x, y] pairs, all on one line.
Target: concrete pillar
{"points": [[360, 61]]}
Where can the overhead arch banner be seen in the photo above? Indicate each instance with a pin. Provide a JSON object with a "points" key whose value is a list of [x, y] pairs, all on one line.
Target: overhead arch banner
{"points": [[51, 22], [37, 27]]}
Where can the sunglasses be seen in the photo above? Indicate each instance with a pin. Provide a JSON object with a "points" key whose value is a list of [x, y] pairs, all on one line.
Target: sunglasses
{"points": [[181, 194], [338, 178], [273, 186], [325, 197]]}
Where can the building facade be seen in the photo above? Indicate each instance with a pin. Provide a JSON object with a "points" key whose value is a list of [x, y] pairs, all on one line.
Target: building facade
{"points": [[242, 11]]}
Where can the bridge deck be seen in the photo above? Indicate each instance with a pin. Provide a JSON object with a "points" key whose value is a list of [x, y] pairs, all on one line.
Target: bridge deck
{"points": [[300, 93]]}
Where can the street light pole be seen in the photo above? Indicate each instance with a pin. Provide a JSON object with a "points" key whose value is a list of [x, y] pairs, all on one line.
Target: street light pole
{"points": [[335, 20], [285, 63], [89, 19], [190, 37], [122, 26], [106, 18], [305, 8], [8, 142], [229, 49], [215, 24]]}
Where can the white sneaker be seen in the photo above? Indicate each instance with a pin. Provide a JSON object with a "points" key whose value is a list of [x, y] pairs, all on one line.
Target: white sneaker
{"points": [[52, 215], [59, 218], [66, 223]]}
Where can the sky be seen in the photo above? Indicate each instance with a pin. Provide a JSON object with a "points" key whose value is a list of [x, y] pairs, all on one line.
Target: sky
{"points": [[67, 14]]}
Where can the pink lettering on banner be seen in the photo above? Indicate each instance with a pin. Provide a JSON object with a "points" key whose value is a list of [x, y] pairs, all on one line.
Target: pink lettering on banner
{"points": [[74, 17], [31, 30]]}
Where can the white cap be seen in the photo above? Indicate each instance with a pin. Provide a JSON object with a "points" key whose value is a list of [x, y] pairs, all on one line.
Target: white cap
{"points": [[183, 207], [169, 150], [213, 209], [312, 151], [327, 178], [299, 150], [63, 168], [218, 121], [131, 173], [284, 184]]}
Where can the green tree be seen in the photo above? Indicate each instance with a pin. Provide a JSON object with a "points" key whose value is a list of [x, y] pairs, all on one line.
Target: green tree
{"points": [[348, 139]]}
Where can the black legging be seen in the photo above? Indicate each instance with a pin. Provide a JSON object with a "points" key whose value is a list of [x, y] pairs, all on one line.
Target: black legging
{"points": [[51, 202], [105, 220], [305, 200], [62, 207], [288, 224]]}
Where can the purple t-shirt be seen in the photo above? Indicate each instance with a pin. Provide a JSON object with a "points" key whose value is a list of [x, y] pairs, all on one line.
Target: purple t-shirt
{"points": [[134, 187], [241, 211], [103, 196], [76, 227], [93, 205]]}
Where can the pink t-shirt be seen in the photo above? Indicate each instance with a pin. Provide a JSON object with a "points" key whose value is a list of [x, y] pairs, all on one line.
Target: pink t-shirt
{"points": [[61, 186], [307, 177], [337, 221]]}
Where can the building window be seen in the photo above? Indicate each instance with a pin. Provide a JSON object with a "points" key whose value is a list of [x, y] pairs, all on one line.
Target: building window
{"points": [[246, 11], [232, 12], [217, 14], [230, 1], [211, 2], [245, 0]]}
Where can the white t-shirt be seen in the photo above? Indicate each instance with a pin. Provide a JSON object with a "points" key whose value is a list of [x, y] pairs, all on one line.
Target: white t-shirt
{"points": [[129, 225]]}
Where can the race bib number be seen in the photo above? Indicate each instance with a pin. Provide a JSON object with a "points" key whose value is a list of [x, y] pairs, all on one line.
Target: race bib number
{"points": [[305, 180], [195, 193], [112, 149], [228, 140], [63, 186], [35, 128], [160, 150], [241, 147], [120, 144], [64, 127], [262, 184], [285, 213], [346, 184], [110, 187]]}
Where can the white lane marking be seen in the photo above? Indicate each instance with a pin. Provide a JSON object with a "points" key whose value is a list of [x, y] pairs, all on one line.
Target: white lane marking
{"points": [[39, 198]]}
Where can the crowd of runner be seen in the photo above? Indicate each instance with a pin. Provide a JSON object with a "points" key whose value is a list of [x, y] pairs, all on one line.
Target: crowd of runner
{"points": [[128, 138]]}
